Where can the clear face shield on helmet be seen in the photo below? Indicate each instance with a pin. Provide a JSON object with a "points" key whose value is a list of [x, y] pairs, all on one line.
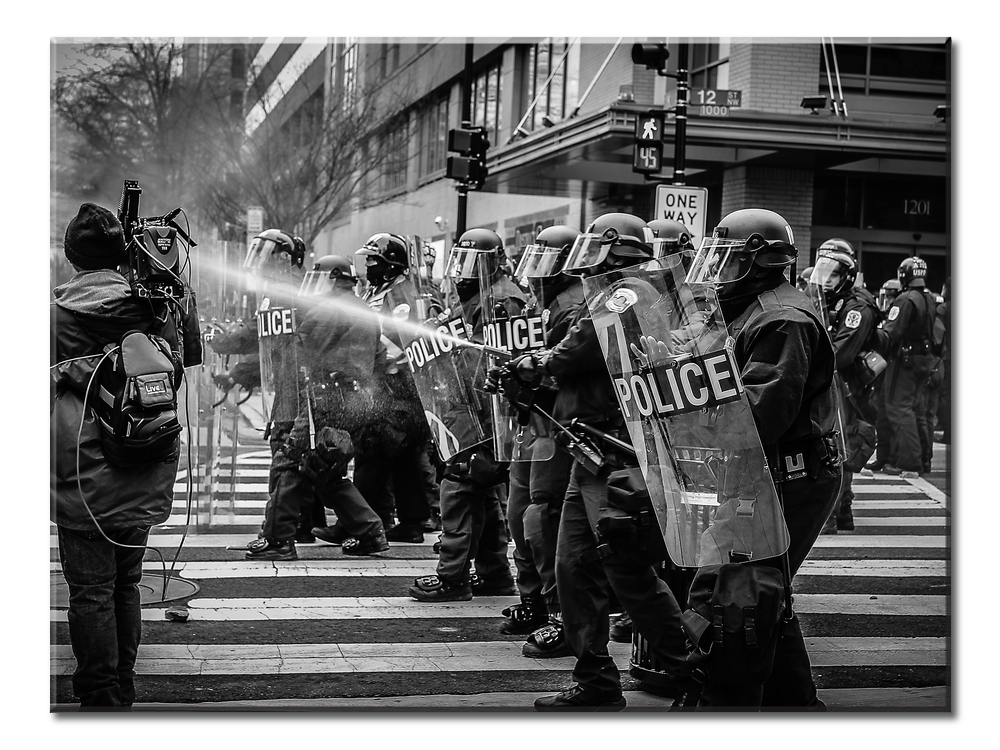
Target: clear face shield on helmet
{"points": [[587, 254], [270, 268], [720, 262], [886, 297], [538, 262], [828, 275], [463, 264]]}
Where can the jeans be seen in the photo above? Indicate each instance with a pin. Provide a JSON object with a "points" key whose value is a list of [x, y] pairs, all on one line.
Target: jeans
{"points": [[105, 625]]}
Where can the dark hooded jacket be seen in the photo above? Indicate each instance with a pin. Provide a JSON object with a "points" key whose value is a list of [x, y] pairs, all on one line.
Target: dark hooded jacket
{"points": [[91, 310]]}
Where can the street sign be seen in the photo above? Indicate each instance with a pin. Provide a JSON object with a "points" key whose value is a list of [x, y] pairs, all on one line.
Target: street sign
{"points": [[255, 222], [688, 205], [715, 98], [708, 102]]}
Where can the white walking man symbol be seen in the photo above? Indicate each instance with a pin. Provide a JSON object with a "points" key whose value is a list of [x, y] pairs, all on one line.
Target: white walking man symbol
{"points": [[649, 130]]}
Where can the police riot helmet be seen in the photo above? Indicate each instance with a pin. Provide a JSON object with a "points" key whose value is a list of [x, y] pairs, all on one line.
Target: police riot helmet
{"points": [[836, 245], [670, 237], [463, 264], [910, 269], [273, 248], [325, 272], [888, 293], [546, 256], [746, 245], [835, 273], [385, 257], [611, 241]]}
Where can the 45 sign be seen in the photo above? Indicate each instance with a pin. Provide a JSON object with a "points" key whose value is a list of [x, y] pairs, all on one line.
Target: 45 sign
{"points": [[647, 153]]}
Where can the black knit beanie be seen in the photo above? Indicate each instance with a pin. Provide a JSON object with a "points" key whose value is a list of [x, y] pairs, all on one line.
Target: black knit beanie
{"points": [[94, 239]]}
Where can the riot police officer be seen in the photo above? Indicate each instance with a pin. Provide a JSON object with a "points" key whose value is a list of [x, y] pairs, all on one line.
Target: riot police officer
{"points": [[394, 477], [853, 317], [787, 365], [905, 337], [586, 393], [671, 237], [338, 345], [472, 489], [534, 500], [887, 294]]}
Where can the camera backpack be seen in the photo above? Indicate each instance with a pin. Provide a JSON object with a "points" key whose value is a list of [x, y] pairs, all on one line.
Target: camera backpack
{"points": [[136, 404]]}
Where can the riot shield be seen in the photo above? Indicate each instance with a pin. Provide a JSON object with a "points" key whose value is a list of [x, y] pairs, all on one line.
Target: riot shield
{"points": [[670, 357], [518, 433], [443, 368], [816, 292], [282, 384]]}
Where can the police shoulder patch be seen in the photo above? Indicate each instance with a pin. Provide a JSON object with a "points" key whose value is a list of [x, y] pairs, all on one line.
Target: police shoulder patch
{"points": [[853, 319], [893, 312]]}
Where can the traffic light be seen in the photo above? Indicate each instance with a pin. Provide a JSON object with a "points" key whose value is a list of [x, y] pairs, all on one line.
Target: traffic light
{"points": [[647, 152], [653, 56], [470, 167]]}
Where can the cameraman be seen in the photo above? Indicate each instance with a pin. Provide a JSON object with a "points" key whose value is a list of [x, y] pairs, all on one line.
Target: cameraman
{"points": [[103, 511]]}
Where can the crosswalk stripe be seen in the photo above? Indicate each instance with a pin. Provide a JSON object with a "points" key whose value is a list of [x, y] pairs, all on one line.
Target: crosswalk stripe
{"points": [[880, 541], [406, 608], [377, 568], [870, 521], [489, 656]]}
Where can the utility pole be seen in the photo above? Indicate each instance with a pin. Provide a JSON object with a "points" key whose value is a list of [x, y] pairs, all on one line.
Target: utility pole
{"points": [[646, 156], [463, 190], [680, 113]]}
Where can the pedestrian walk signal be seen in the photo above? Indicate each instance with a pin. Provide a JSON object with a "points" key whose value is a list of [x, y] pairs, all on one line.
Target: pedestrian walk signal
{"points": [[647, 153], [469, 168]]}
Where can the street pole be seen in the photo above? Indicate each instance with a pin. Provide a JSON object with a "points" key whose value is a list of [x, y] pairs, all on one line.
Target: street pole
{"points": [[680, 132], [463, 191]]}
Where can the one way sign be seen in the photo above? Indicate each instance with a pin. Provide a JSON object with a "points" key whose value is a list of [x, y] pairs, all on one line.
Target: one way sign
{"points": [[688, 205]]}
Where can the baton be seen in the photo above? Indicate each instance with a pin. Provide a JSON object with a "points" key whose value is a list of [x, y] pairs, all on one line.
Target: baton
{"points": [[596, 433]]}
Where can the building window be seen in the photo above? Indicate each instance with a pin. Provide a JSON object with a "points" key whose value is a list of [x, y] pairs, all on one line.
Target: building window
{"points": [[486, 108], [911, 70], [349, 73], [434, 137], [539, 60], [710, 65], [238, 67], [396, 145], [236, 105], [389, 59]]}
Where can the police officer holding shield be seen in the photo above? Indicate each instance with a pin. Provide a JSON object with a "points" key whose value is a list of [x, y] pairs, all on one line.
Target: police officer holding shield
{"points": [[535, 496], [586, 393], [787, 365], [473, 485]]}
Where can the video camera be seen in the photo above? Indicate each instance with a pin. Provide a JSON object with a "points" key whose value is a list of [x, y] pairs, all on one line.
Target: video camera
{"points": [[152, 246]]}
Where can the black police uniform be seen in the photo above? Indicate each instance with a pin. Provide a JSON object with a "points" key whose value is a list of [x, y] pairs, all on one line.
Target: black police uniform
{"points": [[535, 497], [787, 365], [905, 337], [852, 326], [472, 491], [341, 350], [393, 478]]}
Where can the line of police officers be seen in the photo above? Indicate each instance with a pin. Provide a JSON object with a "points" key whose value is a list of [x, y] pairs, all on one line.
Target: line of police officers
{"points": [[567, 575]]}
